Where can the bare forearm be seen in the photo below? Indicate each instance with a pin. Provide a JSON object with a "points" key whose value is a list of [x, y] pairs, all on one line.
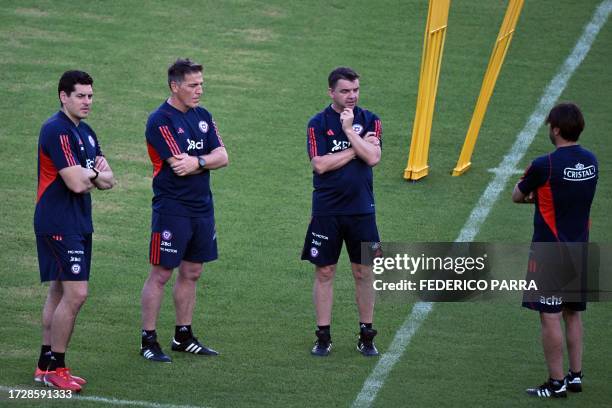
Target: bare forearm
{"points": [[330, 162], [366, 151], [216, 159], [105, 180]]}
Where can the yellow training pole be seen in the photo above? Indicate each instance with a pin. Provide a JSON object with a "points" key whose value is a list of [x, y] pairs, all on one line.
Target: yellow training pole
{"points": [[431, 60], [488, 84]]}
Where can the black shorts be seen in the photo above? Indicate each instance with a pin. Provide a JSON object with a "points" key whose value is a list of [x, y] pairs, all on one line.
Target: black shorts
{"points": [[323, 242], [64, 257], [559, 271], [175, 238]]}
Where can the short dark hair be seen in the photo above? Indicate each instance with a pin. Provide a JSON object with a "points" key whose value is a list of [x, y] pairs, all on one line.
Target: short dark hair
{"points": [[341, 73], [70, 78], [568, 118], [180, 68]]}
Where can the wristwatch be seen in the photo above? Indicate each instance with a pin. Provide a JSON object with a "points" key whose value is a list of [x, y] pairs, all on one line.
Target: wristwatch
{"points": [[201, 163], [97, 174]]}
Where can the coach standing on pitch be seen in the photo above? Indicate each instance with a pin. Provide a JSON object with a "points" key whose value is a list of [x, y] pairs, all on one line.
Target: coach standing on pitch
{"points": [[562, 185], [70, 165], [184, 145], [344, 143]]}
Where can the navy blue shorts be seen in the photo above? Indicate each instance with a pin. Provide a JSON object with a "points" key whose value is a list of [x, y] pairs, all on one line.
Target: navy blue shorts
{"points": [[325, 235], [64, 257], [552, 305], [175, 238]]}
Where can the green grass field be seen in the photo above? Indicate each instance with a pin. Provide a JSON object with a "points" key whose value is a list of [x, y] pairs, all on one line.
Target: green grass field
{"points": [[266, 65]]}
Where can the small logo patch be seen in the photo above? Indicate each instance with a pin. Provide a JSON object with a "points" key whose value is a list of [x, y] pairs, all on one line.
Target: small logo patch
{"points": [[357, 128], [203, 126], [75, 268], [166, 235], [314, 252], [92, 142]]}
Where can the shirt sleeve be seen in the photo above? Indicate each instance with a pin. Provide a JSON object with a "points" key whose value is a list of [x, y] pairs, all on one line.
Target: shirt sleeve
{"points": [[213, 137], [535, 176], [376, 127], [56, 143], [315, 140], [160, 136]]}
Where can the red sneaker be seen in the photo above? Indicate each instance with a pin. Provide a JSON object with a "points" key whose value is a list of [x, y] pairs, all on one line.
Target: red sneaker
{"points": [[61, 379], [40, 374]]}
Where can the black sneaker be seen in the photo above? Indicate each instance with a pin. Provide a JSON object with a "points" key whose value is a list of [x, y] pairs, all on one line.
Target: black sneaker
{"points": [[192, 345], [323, 344], [152, 351], [573, 382], [365, 345], [549, 390]]}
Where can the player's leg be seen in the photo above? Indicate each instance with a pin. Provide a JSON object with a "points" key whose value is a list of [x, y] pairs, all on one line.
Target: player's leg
{"points": [[169, 235], [153, 294], [323, 293], [552, 342], [67, 270], [573, 336], [359, 230], [74, 294], [322, 247], [364, 291], [184, 292], [202, 247], [64, 317], [54, 295]]}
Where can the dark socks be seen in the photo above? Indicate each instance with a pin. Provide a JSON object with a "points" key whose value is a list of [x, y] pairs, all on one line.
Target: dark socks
{"points": [[326, 328], [556, 383], [45, 357], [57, 360], [365, 325], [574, 374], [148, 337], [182, 333]]}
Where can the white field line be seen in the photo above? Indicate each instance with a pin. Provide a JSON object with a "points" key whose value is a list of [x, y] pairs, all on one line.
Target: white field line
{"points": [[503, 172], [101, 400]]}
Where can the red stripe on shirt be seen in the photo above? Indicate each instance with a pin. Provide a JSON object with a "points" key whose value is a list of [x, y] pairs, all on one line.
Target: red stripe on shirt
{"points": [[312, 143], [174, 149], [546, 203], [155, 159], [67, 150], [218, 134], [378, 129], [47, 175]]}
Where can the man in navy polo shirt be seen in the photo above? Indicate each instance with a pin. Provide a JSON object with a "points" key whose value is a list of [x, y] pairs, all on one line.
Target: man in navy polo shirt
{"points": [[70, 165], [184, 145], [343, 143], [562, 186]]}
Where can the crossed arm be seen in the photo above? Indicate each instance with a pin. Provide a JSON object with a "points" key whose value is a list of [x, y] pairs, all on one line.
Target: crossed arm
{"points": [[81, 180], [367, 149], [185, 165], [520, 198]]}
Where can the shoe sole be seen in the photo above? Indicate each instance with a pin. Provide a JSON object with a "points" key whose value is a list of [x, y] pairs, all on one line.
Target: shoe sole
{"points": [[51, 385]]}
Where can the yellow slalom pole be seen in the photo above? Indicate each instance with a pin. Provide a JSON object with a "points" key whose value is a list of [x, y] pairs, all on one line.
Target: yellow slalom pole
{"points": [[488, 84], [431, 61]]}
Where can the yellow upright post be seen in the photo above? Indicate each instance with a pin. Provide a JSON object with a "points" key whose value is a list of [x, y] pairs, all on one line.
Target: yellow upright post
{"points": [[488, 84], [431, 60]]}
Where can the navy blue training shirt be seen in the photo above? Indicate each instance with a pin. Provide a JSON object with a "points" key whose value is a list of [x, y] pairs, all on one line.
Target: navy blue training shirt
{"points": [[171, 132], [564, 183], [349, 189], [62, 144]]}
